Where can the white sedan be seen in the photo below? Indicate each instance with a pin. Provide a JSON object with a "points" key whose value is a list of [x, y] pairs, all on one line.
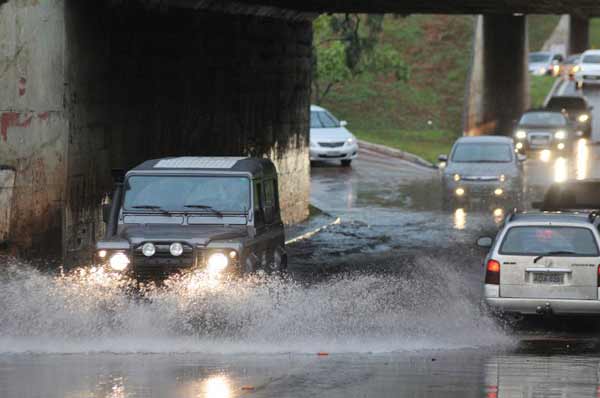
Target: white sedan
{"points": [[329, 138], [589, 68]]}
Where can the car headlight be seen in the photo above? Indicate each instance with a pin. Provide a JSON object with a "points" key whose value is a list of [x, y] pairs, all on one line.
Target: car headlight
{"points": [[541, 71], [576, 69], [498, 191], [456, 177], [459, 192], [560, 135], [217, 262], [119, 261], [351, 141], [176, 249], [521, 134], [584, 117], [502, 178]]}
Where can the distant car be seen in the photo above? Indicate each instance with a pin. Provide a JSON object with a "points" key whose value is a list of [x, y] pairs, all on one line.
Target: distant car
{"points": [[545, 63], [570, 66], [329, 138], [543, 129], [589, 68], [577, 110], [485, 168], [544, 263]]}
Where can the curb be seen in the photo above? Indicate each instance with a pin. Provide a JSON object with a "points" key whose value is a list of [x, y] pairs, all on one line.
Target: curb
{"points": [[558, 82], [312, 233], [396, 153]]}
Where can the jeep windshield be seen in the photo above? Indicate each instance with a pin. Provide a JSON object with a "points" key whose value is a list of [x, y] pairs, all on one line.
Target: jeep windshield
{"points": [[187, 194], [549, 240]]}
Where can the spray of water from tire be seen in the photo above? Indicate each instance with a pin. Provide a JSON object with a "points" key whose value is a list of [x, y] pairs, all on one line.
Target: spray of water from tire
{"points": [[91, 310]]}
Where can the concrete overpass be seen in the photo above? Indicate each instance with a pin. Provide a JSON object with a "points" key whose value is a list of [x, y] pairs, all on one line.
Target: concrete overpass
{"points": [[89, 86]]}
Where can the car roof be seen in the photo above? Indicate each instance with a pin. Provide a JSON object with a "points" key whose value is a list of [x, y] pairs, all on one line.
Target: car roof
{"points": [[592, 52], [317, 108], [254, 166], [524, 218], [544, 110], [486, 138], [541, 52]]}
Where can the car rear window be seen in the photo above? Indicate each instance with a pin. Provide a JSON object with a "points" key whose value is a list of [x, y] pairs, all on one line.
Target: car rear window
{"points": [[566, 103], [538, 240], [543, 119]]}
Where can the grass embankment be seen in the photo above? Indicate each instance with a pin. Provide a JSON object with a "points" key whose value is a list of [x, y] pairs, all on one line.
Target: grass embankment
{"points": [[423, 115], [539, 89]]}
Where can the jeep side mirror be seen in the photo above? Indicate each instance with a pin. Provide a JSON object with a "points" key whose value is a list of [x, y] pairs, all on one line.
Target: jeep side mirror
{"points": [[106, 212], [343, 123], [485, 242]]}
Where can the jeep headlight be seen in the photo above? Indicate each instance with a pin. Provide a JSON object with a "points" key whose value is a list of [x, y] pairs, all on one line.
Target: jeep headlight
{"points": [[119, 261], [584, 117], [217, 262], [560, 135], [521, 134]]}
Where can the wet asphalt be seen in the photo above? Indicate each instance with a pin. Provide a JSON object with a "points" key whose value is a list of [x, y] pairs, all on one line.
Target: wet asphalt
{"points": [[384, 304]]}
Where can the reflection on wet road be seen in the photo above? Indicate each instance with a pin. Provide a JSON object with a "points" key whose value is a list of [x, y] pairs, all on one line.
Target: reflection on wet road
{"points": [[392, 295]]}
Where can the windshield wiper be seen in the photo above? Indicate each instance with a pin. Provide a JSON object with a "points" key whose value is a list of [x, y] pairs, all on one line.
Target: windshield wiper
{"points": [[151, 207], [206, 207], [556, 253]]}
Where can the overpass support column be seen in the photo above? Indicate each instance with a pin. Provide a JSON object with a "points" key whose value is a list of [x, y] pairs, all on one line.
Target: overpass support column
{"points": [[505, 77], [579, 34]]}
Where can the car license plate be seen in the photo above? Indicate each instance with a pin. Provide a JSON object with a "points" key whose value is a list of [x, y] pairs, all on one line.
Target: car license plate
{"points": [[333, 153], [548, 278], [539, 141]]}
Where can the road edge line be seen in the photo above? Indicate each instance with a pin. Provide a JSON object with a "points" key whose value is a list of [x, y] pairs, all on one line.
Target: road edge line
{"points": [[312, 233], [553, 90], [396, 153]]}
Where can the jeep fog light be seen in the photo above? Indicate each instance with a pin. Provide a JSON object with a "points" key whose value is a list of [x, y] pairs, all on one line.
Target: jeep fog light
{"points": [[148, 249], [176, 249], [119, 261], [217, 263]]}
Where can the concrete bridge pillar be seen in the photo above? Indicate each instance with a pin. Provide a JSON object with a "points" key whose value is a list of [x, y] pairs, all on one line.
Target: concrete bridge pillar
{"points": [[579, 34], [499, 84]]}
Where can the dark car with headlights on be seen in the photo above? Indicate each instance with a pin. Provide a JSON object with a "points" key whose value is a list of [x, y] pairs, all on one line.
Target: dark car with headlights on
{"points": [[543, 130], [216, 214], [482, 168], [577, 110]]}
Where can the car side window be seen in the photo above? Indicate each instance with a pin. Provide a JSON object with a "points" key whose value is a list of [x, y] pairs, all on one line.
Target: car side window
{"points": [[259, 216], [269, 201]]}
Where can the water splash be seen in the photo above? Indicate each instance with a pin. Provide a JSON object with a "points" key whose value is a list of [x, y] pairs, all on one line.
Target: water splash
{"points": [[91, 310]]}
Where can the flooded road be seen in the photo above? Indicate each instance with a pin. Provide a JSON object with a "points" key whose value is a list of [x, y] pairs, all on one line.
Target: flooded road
{"points": [[390, 297]]}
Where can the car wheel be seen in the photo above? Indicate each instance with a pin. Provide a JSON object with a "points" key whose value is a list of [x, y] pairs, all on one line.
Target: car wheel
{"points": [[346, 162], [279, 263]]}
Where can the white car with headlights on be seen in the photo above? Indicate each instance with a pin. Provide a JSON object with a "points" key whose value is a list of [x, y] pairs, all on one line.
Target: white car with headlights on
{"points": [[329, 138], [484, 168], [544, 263], [213, 214], [589, 68]]}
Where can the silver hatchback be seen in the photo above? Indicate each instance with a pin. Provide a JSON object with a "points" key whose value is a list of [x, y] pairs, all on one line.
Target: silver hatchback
{"points": [[544, 263]]}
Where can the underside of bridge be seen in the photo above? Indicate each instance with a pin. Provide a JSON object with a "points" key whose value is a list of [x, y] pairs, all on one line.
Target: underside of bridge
{"points": [[89, 86]]}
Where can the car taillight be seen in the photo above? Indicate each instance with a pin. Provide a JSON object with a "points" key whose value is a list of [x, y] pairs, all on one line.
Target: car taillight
{"points": [[492, 273], [598, 284]]}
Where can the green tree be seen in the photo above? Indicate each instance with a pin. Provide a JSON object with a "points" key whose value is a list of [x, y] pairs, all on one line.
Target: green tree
{"points": [[347, 46]]}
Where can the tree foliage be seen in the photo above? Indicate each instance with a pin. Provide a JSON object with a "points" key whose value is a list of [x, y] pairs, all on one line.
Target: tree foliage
{"points": [[347, 46]]}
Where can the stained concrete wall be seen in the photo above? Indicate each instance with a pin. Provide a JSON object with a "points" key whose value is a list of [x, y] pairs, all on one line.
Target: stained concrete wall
{"points": [[33, 123], [90, 87]]}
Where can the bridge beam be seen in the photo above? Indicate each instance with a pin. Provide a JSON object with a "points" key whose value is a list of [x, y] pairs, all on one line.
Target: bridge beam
{"points": [[499, 83], [579, 34]]}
